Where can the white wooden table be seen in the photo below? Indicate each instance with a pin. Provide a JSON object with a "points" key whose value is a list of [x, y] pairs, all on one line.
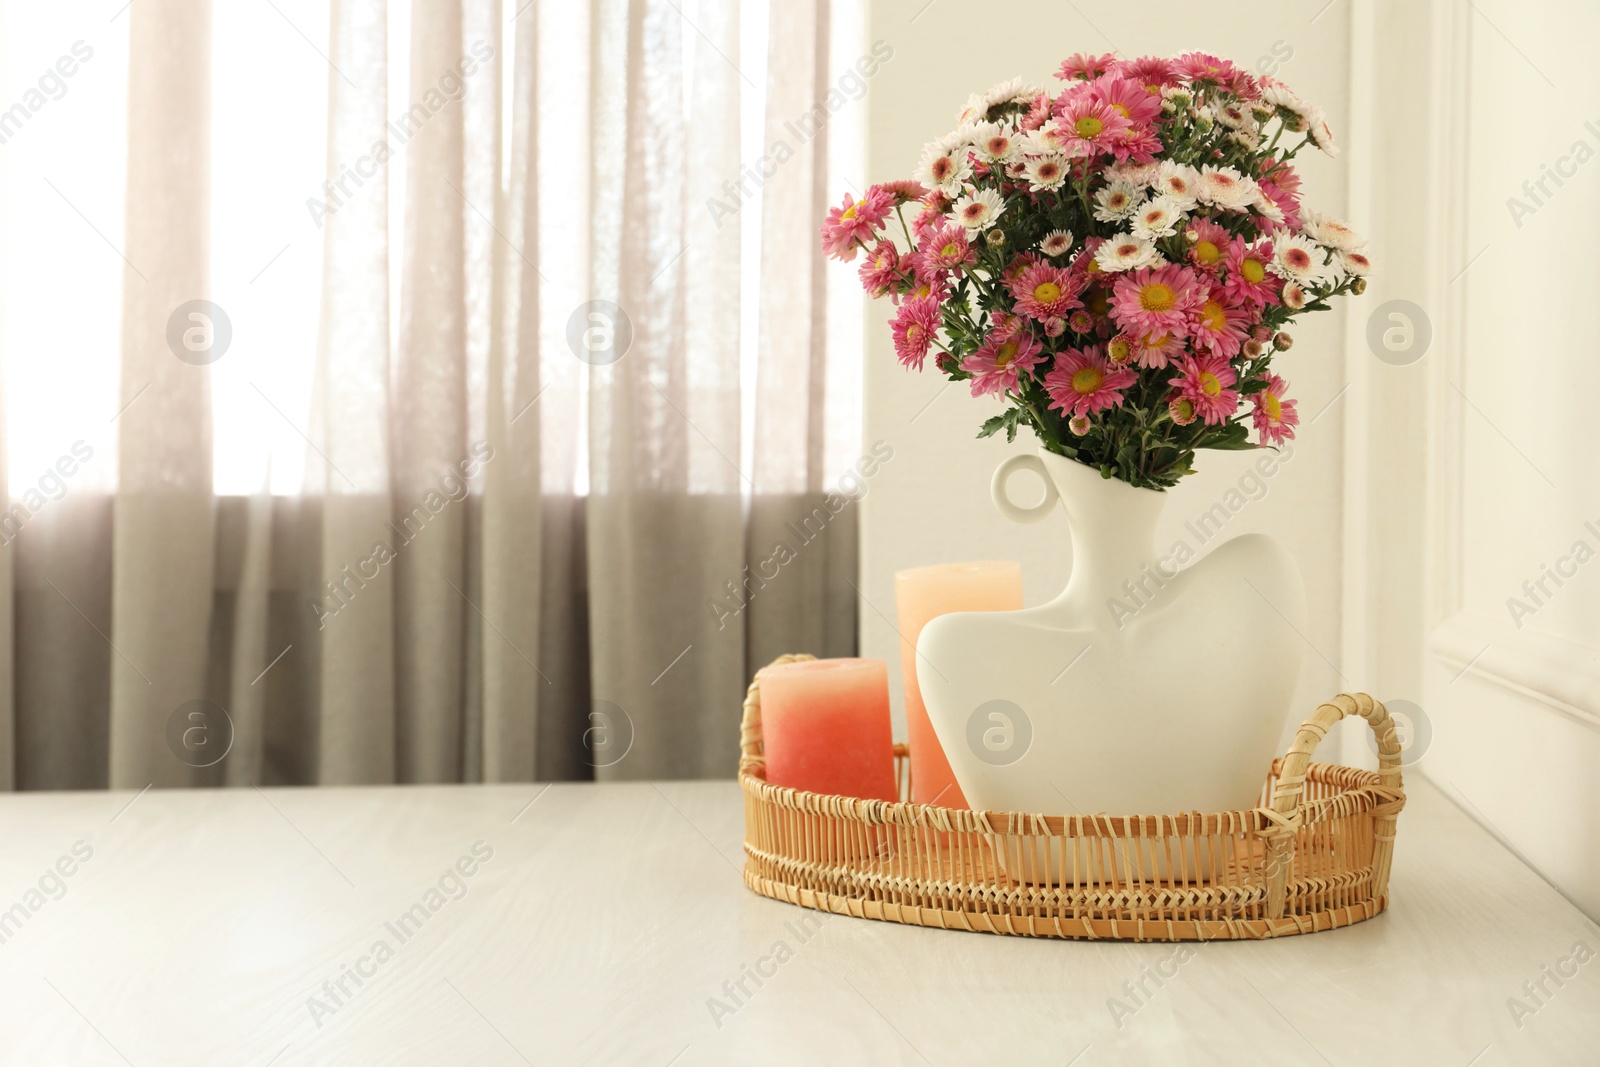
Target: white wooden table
{"points": [[610, 925]]}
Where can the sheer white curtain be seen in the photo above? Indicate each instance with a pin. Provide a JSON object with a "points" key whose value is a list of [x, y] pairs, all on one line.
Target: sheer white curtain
{"points": [[560, 412]]}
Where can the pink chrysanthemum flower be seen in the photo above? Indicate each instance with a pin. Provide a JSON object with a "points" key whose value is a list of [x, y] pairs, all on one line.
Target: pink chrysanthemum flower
{"points": [[855, 222], [1152, 72], [1097, 302], [1284, 176], [1038, 113], [1203, 67], [1019, 266], [1153, 351], [1087, 126], [1085, 66], [933, 214], [1138, 145], [1248, 281], [996, 366], [935, 284], [1209, 249], [881, 272], [1085, 264], [1181, 408], [1156, 299], [903, 190], [1043, 291], [1286, 202], [1207, 383], [1275, 417], [946, 248], [1084, 383], [1219, 325], [1120, 349], [914, 327], [1127, 98], [1003, 324]]}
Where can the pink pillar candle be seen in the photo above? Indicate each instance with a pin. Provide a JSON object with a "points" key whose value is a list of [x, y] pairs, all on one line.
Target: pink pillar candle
{"points": [[921, 594], [825, 727]]}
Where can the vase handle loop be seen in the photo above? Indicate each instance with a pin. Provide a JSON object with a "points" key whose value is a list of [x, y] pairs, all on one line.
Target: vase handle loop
{"points": [[1002, 475]]}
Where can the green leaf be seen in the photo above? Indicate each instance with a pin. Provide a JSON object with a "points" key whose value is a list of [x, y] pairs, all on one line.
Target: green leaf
{"points": [[1232, 437], [1006, 420]]}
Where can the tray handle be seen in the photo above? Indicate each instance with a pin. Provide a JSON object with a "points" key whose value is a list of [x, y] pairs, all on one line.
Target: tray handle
{"points": [[1284, 811]]}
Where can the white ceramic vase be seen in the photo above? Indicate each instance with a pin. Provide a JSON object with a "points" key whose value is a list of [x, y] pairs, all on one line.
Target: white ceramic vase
{"points": [[1137, 690]]}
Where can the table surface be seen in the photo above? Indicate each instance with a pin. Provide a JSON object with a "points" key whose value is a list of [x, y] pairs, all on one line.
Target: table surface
{"points": [[608, 924]]}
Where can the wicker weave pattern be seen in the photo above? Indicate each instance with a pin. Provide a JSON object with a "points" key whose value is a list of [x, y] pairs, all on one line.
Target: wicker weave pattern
{"points": [[1314, 856]]}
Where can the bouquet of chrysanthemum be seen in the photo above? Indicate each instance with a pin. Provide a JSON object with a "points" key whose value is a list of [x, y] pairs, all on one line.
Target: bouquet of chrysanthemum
{"points": [[1117, 260]]}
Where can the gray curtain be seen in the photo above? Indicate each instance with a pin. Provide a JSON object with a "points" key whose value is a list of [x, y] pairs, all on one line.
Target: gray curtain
{"points": [[538, 486]]}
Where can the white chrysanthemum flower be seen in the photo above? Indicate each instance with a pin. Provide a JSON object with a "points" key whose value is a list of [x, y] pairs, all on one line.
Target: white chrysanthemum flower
{"points": [[1355, 263], [1180, 182], [1156, 218], [1116, 201], [1008, 92], [1226, 188], [1230, 113], [1326, 230], [978, 209], [1056, 243], [1295, 112], [1296, 258], [995, 142], [1139, 175], [974, 110], [1048, 139], [1126, 252], [975, 133], [1277, 94], [963, 136], [1267, 208], [943, 168], [1321, 132], [1046, 172], [1248, 138]]}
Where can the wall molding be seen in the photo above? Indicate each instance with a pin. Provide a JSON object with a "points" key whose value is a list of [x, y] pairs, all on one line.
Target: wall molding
{"points": [[1560, 674]]}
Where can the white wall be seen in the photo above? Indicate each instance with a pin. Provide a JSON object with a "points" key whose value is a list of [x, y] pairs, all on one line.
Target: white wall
{"points": [[931, 504], [1496, 421]]}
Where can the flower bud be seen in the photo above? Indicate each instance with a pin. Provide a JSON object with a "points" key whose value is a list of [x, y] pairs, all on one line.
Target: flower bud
{"points": [[1283, 341], [996, 238], [1078, 424], [1358, 286], [1261, 332]]}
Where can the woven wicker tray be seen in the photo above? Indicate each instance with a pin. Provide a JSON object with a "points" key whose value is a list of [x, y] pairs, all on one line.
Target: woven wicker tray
{"points": [[1314, 856]]}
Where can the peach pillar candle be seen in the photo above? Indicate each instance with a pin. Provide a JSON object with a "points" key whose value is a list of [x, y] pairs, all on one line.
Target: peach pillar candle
{"points": [[923, 593], [825, 727]]}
